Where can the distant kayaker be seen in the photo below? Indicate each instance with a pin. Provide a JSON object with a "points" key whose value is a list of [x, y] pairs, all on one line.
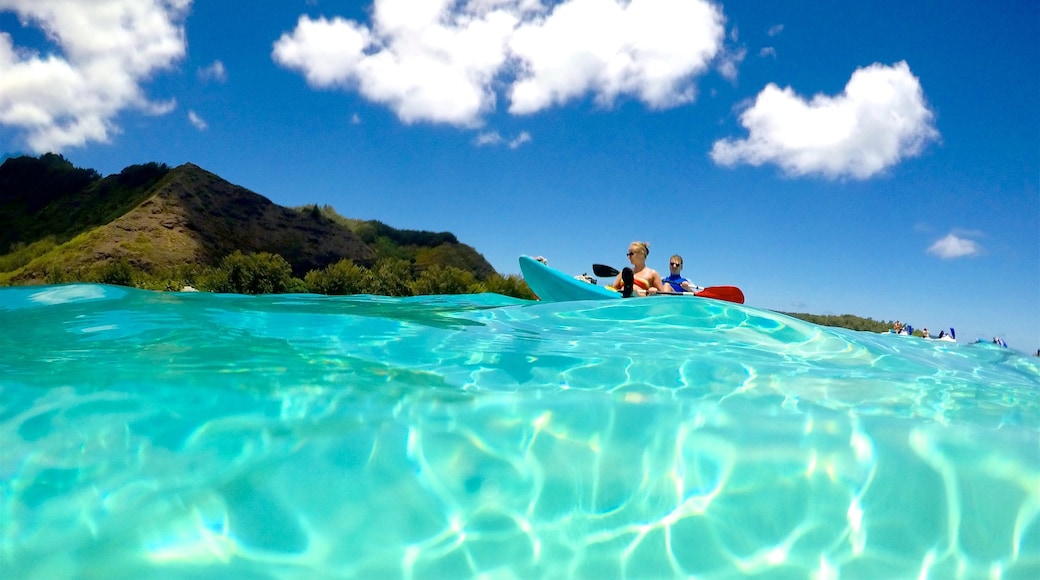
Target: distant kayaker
{"points": [[675, 282], [638, 280]]}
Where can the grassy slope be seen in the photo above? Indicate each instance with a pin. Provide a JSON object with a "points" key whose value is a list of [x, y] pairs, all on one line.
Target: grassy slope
{"points": [[66, 219]]}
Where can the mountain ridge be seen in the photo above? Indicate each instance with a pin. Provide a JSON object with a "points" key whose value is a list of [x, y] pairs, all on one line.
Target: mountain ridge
{"points": [[155, 217]]}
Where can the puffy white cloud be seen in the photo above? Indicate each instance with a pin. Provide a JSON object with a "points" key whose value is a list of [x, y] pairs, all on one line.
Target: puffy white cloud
{"points": [[649, 49], [881, 118], [326, 51], [104, 49], [443, 60], [420, 59], [954, 246]]}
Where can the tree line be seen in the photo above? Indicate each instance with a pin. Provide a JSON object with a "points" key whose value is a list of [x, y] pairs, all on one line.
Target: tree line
{"points": [[849, 321], [267, 273]]}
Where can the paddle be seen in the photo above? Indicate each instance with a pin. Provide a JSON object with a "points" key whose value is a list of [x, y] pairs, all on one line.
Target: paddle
{"points": [[727, 293], [604, 270]]}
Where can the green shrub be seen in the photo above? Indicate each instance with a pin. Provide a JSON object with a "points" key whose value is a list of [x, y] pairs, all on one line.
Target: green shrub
{"points": [[392, 277], [261, 273], [118, 272], [342, 278], [512, 285], [62, 276], [297, 286], [445, 280]]}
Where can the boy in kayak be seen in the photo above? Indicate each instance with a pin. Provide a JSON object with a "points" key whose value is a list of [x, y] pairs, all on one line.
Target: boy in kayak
{"points": [[639, 280]]}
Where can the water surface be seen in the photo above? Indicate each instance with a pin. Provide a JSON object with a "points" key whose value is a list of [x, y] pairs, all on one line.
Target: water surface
{"points": [[168, 435]]}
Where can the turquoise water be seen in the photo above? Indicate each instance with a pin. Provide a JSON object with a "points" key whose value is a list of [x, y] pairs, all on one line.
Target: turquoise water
{"points": [[167, 435]]}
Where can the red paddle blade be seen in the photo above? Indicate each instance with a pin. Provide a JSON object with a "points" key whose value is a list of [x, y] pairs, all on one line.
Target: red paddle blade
{"points": [[727, 293]]}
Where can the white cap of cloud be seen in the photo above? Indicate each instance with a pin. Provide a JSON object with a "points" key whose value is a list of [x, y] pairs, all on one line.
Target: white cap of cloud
{"points": [[107, 47], [953, 246], [438, 61], [880, 119]]}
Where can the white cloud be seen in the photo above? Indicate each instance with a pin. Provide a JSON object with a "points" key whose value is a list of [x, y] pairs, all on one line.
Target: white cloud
{"points": [[648, 49], [775, 29], [880, 119], [421, 60], [197, 121], [487, 138], [767, 51], [523, 137], [214, 72], [103, 51], [729, 61], [954, 246], [442, 61]]}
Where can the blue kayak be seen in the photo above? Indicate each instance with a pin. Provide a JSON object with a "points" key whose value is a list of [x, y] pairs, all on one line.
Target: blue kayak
{"points": [[552, 285]]}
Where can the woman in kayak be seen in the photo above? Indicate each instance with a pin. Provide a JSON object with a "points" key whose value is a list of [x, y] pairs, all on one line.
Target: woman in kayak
{"points": [[638, 280]]}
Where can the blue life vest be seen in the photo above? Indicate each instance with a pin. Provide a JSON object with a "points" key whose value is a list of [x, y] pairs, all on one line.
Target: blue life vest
{"points": [[676, 281]]}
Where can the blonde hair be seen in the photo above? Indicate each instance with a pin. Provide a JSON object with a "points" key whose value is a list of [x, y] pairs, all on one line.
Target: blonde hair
{"points": [[644, 246]]}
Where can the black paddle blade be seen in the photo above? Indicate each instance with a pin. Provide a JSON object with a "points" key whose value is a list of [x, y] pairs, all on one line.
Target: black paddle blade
{"points": [[603, 270]]}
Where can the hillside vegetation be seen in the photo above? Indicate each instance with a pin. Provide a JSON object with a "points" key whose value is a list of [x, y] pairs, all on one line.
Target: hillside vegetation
{"points": [[155, 227]]}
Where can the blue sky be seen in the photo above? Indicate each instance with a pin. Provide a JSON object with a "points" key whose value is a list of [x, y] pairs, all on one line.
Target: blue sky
{"points": [[879, 159]]}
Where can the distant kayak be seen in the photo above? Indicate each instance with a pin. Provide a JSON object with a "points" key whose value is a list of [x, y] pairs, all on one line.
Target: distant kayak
{"points": [[943, 335], [552, 285]]}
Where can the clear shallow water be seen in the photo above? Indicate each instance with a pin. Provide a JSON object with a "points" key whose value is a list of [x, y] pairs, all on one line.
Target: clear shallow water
{"points": [[163, 435]]}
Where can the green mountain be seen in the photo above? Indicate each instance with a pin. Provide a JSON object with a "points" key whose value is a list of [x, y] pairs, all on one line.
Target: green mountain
{"points": [[55, 217]]}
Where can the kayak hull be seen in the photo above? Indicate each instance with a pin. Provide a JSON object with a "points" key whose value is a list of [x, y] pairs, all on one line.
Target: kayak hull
{"points": [[552, 285]]}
